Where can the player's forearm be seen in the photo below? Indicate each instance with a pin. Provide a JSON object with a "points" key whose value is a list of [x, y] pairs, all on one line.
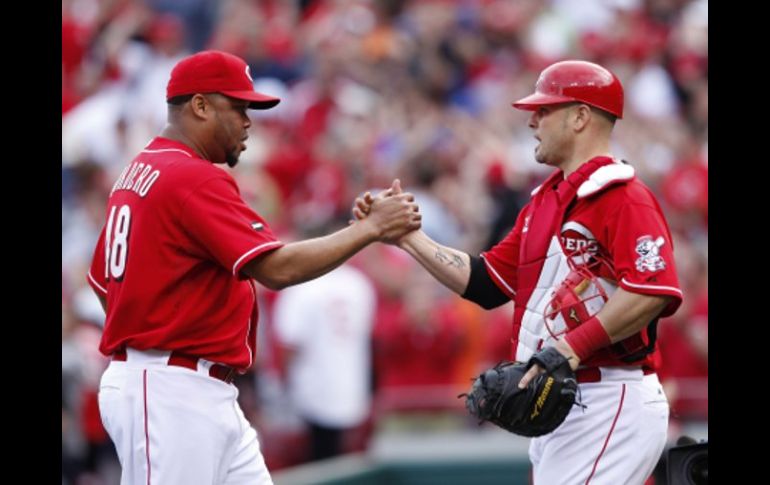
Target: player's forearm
{"points": [[623, 315], [449, 266], [627, 313], [302, 261]]}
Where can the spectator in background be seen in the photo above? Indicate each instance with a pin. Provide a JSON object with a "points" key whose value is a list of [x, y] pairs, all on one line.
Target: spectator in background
{"points": [[72, 440], [439, 223], [417, 346], [685, 187], [325, 327], [684, 341], [86, 448]]}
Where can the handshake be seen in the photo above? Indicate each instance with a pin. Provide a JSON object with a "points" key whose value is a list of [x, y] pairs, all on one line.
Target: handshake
{"points": [[391, 214]]}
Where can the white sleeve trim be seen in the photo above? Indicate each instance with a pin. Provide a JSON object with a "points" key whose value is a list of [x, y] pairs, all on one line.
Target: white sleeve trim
{"points": [[497, 275], [96, 283], [252, 251], [652, 287]]}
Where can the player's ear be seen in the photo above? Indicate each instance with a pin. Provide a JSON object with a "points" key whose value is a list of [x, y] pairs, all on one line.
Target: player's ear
{"points": [[199, 105], [580, 116]]}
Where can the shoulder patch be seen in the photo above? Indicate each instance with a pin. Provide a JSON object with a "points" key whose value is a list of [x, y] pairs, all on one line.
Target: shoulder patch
{"points": [[649, 258]]}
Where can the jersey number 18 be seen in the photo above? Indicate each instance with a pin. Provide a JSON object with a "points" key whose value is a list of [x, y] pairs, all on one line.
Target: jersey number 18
{"points": [[116, 242]]}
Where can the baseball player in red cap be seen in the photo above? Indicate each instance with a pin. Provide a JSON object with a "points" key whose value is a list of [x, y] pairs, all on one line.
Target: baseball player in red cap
{"points": [[174, 268], [589, 265]]}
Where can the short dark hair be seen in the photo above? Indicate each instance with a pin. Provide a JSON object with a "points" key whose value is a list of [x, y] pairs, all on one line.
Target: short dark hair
{"points": [[605, 114], [180, 100]]}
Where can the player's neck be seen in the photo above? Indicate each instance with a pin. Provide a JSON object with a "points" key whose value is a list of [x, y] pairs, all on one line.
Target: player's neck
{"points": [[173, 133], [579, 157]]}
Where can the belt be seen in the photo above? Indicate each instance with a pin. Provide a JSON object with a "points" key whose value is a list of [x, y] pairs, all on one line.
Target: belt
{"points": [[217, 371], [594, 374]]}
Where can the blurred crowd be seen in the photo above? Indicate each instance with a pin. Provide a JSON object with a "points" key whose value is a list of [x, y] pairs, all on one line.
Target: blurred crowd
{"points": [[373, 90]]}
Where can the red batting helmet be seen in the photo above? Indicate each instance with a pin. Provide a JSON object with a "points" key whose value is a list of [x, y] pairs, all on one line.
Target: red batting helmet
{"points": [[581, 81]]}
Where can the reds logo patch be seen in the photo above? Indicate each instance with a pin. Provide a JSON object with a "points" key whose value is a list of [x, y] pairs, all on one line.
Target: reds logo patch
{"points": [[578, 242], [649, 254]]}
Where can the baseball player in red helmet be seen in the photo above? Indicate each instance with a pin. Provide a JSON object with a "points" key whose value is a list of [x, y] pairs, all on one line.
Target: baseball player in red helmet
{"points": [[589, 265], [175, 268]]}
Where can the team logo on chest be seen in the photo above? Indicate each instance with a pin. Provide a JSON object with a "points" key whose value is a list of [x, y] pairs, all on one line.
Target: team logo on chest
{"points": [[579, 242], [648, 250]]}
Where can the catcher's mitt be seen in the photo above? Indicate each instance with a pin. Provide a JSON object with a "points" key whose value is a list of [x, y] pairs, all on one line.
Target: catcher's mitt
{"points": [[535, 410]]}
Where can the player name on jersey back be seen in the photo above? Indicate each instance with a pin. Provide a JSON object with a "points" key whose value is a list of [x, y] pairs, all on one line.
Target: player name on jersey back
{"points": [[137, 177]]}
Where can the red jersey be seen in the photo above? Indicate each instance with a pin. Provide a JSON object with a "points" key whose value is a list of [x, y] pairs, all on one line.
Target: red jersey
{"points": [[169, 258], [610, 215]]}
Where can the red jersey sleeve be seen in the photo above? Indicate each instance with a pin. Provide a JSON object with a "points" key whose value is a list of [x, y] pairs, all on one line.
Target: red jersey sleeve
{"points": [[643, 253], [503, 258], [220, 221], [96, 274]]}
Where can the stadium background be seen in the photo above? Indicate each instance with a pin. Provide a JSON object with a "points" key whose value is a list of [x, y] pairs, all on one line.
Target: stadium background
{"points": [[373, 90]]}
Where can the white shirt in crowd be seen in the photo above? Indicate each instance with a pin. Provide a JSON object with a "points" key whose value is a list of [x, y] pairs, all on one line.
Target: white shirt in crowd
{"points": [[328, 323]]}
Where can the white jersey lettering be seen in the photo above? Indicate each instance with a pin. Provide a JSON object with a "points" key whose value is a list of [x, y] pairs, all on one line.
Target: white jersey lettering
{"points": [[121, 178], [130, 177], [138, 178], [148, 183], [141, 178]]}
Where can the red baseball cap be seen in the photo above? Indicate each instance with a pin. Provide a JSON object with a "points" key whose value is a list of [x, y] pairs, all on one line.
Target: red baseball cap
{"points": [[216, 72]]}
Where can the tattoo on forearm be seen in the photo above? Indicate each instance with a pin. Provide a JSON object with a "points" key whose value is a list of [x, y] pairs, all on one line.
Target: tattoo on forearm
{"points": [[449, 259], [457, 261]]}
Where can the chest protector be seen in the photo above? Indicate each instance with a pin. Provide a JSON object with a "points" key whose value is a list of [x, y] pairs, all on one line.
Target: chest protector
{"points": [[558, 291]]}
